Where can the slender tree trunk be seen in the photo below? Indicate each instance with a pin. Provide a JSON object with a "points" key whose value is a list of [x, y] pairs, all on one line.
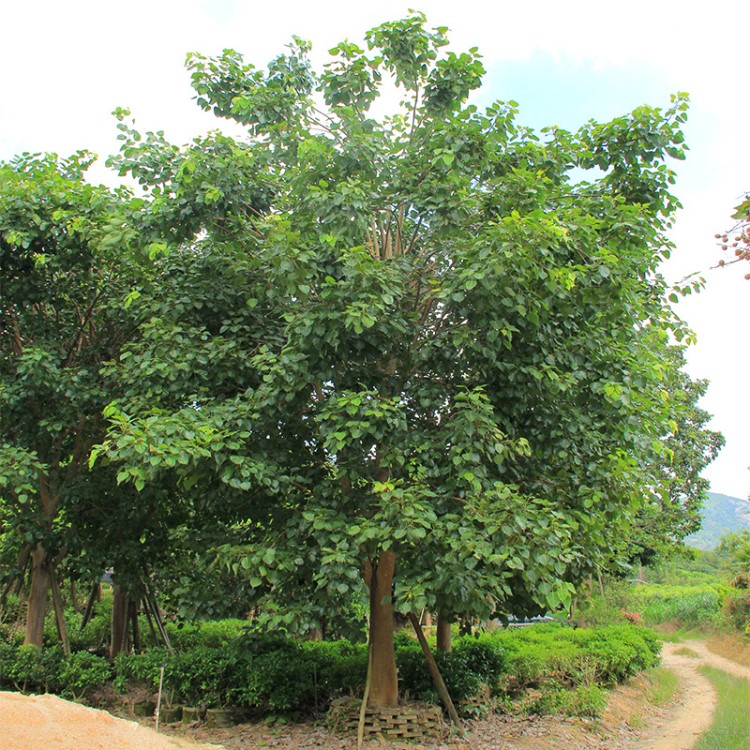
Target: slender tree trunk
{"points": [[444, 642], [40, 582], [119, 627], [383, 675]]}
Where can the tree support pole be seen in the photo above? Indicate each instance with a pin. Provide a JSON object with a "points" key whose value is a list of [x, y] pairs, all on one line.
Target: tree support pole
{"points": [[62, 629], [435, 672], [89, 611]]}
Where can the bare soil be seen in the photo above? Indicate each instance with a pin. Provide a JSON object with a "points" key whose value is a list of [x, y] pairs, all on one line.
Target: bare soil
{"points": [[629, 723]]}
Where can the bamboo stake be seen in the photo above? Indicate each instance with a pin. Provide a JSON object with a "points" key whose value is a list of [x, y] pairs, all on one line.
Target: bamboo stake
{"points": [[365, 697], [158, 700]]}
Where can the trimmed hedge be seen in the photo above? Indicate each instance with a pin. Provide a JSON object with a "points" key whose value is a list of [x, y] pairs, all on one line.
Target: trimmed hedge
{"points": [[222, 665], [32, 670]]}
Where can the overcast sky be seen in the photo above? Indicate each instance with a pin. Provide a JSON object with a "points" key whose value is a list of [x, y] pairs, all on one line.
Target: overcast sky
{"points": [[65, 66]]}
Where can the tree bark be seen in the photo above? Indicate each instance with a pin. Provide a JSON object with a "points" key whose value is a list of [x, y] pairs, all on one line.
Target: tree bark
{"points": [[444, 642], [40, 581], [119, 629], [383, 675]]}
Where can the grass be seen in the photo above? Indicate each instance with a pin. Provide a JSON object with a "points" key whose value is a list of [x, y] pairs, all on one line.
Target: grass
{"points": [[731, 646], [686, 651], [731, 727], [670, 634], [663, 686]]}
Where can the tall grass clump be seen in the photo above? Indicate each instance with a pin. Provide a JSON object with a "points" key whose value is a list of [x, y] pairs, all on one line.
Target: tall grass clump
{"points": [[731, 727]]}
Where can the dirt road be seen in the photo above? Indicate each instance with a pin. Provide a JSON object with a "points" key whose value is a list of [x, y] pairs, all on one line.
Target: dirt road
{"points": [[693, 712], [31, 722]]}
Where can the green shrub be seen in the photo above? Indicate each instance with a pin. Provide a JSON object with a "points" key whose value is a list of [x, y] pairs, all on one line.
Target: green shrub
{"points": [[736, 609], [209, 633], [81, 672], [271, 673], [95, 636], [275, 680], [31, 669], [200, 675], [339, 668], [472, 663], [587, 701]]}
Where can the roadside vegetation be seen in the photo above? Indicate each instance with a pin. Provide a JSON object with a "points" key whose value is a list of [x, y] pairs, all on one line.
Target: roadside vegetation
{"points": [[731, 727], [542, 669]]}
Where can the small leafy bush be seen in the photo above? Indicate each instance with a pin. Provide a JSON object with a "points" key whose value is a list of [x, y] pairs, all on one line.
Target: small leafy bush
{"points": [[82, 672], [209, 633], [200, 675], [586, 701], [95, 636], [736, 610], [31, 669]]}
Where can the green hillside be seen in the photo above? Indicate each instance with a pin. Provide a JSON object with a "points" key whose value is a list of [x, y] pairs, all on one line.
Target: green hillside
{"points": [[722, 515]]}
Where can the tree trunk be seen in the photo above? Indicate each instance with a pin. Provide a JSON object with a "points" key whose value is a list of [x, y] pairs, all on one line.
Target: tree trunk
{"points": [[444, 643], [119, 629], [383, 675], [40, 581]]}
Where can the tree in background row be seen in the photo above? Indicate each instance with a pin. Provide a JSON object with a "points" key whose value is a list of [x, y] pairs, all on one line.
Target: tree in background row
{"points": [[738, 237], [64, 276], [425, 352]]}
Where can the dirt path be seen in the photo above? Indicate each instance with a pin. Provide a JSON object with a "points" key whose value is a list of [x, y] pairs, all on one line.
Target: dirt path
{"points": [[692, 712], [31, 722], [694, 709]]}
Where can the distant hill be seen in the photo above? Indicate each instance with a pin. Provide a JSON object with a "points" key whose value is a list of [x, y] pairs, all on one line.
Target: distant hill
{"points": [[721, 515]]}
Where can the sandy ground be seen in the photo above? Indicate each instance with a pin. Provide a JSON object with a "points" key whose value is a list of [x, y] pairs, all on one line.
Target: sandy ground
{"points": [[31, 722], [46, 722]]}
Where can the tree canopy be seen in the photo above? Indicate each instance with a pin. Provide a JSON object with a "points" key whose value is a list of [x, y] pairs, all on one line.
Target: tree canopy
{"points": [[424, 347], [387, 345]]}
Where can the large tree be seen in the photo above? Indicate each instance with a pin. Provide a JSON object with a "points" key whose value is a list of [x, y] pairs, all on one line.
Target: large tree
{"points": [[434, 334]]}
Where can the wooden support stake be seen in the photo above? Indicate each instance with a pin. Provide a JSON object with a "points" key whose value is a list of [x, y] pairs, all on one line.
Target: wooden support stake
{"points": [[133, 612], [62, 630], [435, 673], [89, 611], [157, 617], [149, 620], [365, 698]]}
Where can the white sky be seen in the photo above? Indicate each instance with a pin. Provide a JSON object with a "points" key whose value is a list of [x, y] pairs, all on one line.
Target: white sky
{"points": [[65, 66]]}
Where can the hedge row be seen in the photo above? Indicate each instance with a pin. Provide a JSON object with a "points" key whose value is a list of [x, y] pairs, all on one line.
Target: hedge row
{"points": [[271, 674]]}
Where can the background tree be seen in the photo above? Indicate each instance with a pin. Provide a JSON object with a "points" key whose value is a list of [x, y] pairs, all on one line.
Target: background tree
{"points": [[671, 509], [737, 239], [438, 372], [65, 273]]}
